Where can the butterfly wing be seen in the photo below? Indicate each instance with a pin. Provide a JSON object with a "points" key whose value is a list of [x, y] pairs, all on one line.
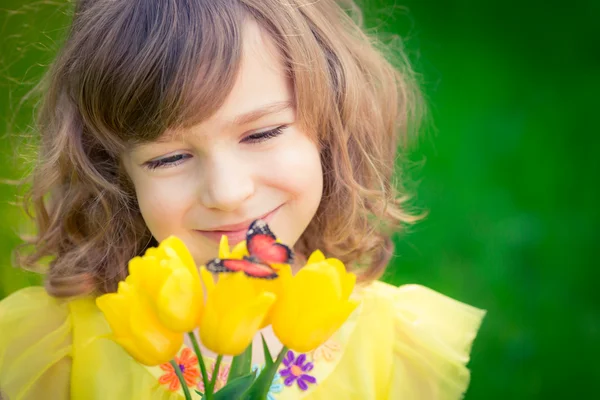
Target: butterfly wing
{"points": [[249, 266], [260, 227], [254, 268], [216, 265], [261, 244]]}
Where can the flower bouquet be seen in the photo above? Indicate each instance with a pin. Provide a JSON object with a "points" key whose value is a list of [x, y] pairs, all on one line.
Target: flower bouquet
{"points": [[166, 297]]}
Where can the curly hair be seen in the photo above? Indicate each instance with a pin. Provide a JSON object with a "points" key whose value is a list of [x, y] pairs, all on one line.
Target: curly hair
{"points": [[130, 70]]}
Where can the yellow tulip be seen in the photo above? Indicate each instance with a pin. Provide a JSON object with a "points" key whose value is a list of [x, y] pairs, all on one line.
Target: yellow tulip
{"points": [[261, 285], [313, 304], [168, 276], [160, 300], [136, 327], [234, 311]]}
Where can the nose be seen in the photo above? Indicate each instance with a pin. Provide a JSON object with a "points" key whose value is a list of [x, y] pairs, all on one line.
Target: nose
{"points": [[228, 183]]}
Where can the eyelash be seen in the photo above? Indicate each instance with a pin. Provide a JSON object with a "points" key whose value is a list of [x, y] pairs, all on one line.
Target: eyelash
{"points": [[170, 161], [177, 159], [266, 135]]}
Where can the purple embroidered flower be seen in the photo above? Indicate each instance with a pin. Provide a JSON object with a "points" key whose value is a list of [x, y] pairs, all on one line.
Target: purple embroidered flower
{"points": [[296, 371]]}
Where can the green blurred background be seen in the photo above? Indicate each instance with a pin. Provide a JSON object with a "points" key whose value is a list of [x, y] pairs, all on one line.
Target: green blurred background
{"points": [[507, 171]]}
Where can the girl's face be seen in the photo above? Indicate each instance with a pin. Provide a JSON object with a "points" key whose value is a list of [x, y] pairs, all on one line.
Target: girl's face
{"points": [[249, 160]]}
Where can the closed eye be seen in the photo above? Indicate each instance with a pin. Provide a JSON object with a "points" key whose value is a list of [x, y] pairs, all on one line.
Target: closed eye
{"points": [[263, 136], [166, 162], [177, 159]]}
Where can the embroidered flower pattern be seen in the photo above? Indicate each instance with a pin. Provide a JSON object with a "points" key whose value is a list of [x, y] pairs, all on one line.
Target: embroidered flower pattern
{"points": [[221, 377], [187, 363], [296, 369], [326, 351], [276, 386]]}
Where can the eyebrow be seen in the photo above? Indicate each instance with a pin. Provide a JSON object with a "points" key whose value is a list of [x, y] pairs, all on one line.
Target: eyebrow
{"points": [[259, 113]]}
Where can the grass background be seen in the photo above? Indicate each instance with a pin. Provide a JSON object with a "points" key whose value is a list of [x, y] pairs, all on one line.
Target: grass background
{"points": [[509, 175]]}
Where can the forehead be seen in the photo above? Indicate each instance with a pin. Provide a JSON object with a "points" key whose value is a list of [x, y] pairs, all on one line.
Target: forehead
{"points": [[262, 84], [262, 76]]}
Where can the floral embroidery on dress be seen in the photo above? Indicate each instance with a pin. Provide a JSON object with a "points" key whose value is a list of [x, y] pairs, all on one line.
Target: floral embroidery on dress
{"points": [[296, 369], [188, 365], [326, 351], [221, 377], [276, 386]]}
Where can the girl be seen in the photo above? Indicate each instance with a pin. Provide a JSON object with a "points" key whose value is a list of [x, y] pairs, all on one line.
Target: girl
{"points": [[193, 118]]}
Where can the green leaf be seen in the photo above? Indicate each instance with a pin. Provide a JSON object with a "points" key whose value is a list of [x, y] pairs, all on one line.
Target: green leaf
{"points": [[235, 389], [241, 364], [260, 388], [268, 357]]}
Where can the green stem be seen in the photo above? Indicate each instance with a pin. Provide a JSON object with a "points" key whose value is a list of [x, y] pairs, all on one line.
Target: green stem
{"points": [[186, 391], [200, 361], [215, 374]]}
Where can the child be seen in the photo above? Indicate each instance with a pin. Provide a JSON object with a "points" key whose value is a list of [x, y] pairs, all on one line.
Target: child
{"points": [[193, 118]]}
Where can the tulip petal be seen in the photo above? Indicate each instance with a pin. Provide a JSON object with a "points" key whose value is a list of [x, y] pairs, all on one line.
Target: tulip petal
{"points": [[236, 307], [222, 297], [285, 272], [207, 279], [159, 300], [230, 289], [240, 325], [318, 330], [136, 266], [277, 266], [320, 279], [116, 309], [179, 301], [175, 248], [141, 356], [136, 328], [348, 308], [154, 252], [338, 265], [239, 251], [149, 274], [309, 336], [315, 257], [209, 325], [313, 304], [150, 335], [224, 247]]}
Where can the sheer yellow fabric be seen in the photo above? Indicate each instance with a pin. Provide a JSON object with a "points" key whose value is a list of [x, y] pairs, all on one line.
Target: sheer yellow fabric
{"points": [[35, 346], [401, 343], [52, 349], [409, 343]]}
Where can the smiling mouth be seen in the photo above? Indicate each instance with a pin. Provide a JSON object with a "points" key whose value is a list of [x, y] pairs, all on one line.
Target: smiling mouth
{"points": [[236, 232]]}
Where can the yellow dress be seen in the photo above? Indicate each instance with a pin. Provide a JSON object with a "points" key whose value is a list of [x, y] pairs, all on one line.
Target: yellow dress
{"points": [[406, 342]]}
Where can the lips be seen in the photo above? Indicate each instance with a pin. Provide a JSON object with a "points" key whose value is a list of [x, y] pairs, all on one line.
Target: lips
{"points": [[235, 232]]}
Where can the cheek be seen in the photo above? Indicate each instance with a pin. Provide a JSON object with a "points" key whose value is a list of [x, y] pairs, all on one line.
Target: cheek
{"points": [[296, 174], [296, 169], [163, 208]]}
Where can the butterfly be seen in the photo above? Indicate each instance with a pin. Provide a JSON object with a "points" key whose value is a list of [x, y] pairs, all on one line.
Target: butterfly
{"points": [[264, 250]]}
